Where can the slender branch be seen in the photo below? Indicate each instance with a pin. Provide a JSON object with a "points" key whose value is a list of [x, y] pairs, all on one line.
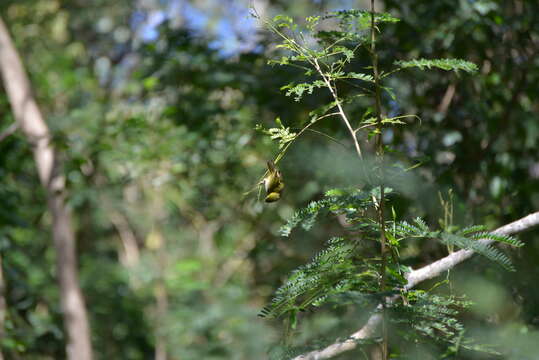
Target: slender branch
{"points": [[129, 252], [327, 136], [327, 115], [3, 304], [283, 151], [446, 100], [414, 278], [363, 127], [339, 107], [380, 153], [305, 128], [383, 267]]}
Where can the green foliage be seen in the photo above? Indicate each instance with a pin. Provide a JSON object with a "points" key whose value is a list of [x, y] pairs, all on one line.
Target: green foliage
{"points": [[336, 201], [333, 273], [299, 89], [418, 228], [473, 238], [282, 134], [343, 271], [159, 133], [361, 16], [310, 284], [479, 247], [428, 317], [150, 139], [444, 64], [353, 25]]}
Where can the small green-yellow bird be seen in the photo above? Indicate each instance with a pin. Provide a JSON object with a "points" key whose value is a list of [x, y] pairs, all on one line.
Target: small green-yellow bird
{"points": [[273, 183]]}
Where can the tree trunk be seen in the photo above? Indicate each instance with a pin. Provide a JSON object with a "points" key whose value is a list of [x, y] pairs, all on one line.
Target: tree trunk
{"points": [[161, 295], [32, 124], [161, 310], [129, 252]]}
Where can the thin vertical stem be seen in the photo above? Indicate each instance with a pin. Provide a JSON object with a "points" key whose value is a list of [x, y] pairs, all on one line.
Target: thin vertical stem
{"points": [[3, 305], [380, 155], [383, 271]]}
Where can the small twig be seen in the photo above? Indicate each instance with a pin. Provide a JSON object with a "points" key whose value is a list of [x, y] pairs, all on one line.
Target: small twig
{"points": [[327, 115], [327, 136], [363, 127], [283, 151], [446, 100]]}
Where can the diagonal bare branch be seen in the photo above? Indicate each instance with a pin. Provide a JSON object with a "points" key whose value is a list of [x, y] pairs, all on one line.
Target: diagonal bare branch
{"points": [[415, 277]]}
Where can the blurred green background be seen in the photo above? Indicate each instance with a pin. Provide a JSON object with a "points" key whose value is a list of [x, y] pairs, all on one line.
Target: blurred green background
{"points": [[153, 106]]}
